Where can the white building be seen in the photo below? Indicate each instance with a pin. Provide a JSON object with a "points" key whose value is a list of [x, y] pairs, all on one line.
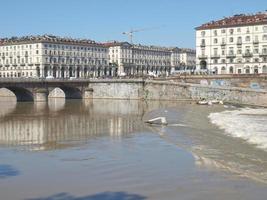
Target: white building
{"points": [[134, 59], [120, 54], [56, 57], [42, 56], [188, 58], [233, 45], [187, 61]]}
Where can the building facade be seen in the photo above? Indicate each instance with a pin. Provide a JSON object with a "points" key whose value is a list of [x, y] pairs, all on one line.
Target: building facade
{"points": [[187, 61], [233, 45], [50, 56], [134, 59], [188, 58], [55, 57]]}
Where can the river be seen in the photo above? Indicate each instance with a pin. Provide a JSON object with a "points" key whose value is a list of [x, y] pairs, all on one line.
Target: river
{"points": [[103, 150]]}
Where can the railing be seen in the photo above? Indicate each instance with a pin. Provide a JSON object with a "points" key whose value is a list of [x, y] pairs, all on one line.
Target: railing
{"points": [[202, 56], [230, 56], [215, 56], [223, 44], [256, 42], [263, 54], [248, 54]]}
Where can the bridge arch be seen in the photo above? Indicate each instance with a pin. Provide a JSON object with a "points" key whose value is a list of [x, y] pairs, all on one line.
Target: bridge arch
{"points": [[22, 94], [69, 92]]}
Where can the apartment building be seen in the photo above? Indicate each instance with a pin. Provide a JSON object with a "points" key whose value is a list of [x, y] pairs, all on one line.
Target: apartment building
{"points": [[52, 56], [233, 45], [133, 59], [49, 56]]}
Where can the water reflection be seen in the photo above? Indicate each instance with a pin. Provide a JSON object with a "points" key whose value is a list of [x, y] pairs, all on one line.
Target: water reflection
{"points": [[8, 105], [7, 171], [60, 123], [56, 104], [99, 196]]}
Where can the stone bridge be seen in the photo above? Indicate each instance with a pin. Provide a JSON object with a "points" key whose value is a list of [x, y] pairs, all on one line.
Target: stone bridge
{"points": [[39, 89], [30, 89]]}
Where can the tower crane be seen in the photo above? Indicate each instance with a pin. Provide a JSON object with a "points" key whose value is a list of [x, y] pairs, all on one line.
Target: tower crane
{"points": [[130, 33]]}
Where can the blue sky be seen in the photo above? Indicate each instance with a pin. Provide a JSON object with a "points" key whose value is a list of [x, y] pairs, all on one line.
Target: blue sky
{"points": [[172, 21]]}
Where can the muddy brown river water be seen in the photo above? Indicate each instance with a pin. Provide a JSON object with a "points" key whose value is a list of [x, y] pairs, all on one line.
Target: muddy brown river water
{"points": [[102, 150]]}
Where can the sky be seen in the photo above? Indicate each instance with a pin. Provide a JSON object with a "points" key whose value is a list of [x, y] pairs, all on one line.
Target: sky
{"points": [[165, 22]]}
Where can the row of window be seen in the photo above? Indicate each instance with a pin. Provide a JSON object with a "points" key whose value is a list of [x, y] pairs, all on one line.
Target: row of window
{"points": [[16, 47], [239, 60], [142, 57], [239, 51], [231, 31], [24, 53], [75, 61], [29, 46], [78, 48], [155, 53], [239, 40], [62, 53], [15, 74], [246, 70], [15, 61]]}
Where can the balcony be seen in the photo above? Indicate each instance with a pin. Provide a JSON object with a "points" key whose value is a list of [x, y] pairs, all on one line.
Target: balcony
{"points": [[223, 44], [215, 56], [263, 54], [247, 54], [239, 42], [256, 42], [230, 56], [202, 57], [203, 45]]}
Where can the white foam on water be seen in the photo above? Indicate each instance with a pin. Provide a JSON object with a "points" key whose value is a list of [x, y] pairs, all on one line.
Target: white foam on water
{"points": [[247, 123], [179, 125]]}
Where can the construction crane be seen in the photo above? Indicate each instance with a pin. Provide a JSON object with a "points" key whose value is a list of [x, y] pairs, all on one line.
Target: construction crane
{"points": [[130, 33]]}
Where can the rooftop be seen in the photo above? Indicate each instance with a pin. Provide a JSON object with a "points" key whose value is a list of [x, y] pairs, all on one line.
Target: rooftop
{"points": [[236, 20], [46, 38], [149, 47]]}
